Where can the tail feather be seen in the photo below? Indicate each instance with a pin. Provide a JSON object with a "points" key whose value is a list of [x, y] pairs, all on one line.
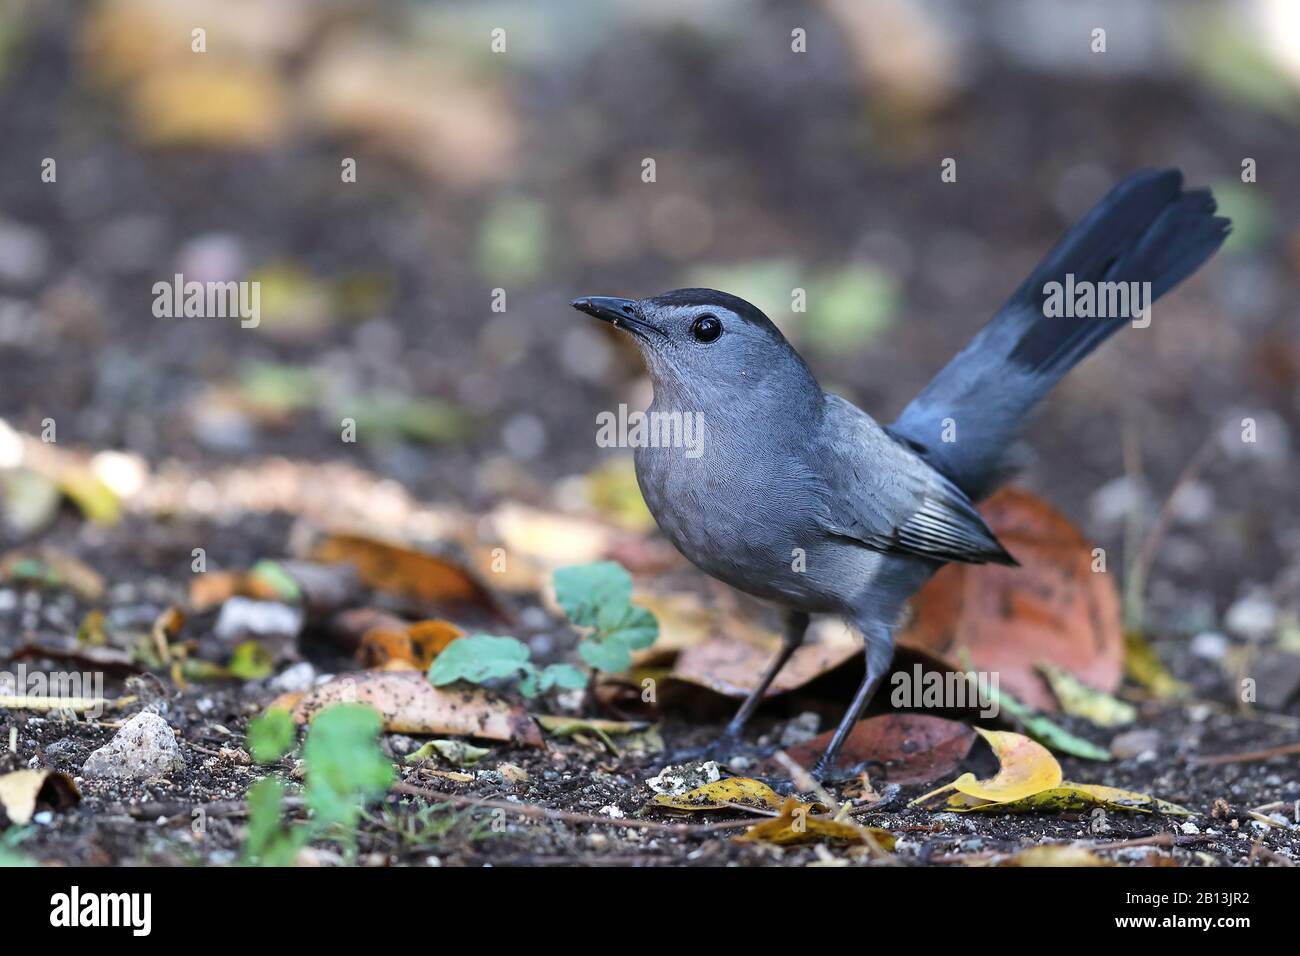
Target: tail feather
{"points": [[1147, 229]]}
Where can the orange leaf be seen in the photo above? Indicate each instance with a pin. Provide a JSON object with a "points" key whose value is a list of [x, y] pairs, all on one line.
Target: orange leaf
{"points": [[1007, 620]]}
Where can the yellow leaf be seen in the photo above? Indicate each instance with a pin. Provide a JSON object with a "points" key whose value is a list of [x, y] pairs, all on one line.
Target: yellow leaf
{"points": [[1055, 855], [1080, 700], [1073, 797], [218, 106], [1026, 768], [724, 795], [1143, 666], [798, 824]]}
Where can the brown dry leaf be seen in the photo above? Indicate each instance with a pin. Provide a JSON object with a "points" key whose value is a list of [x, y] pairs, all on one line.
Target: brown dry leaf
{"points": [[458, 129], [910, 748], [22, 790], [797, 823], [396, 569], [733, 668], [412, 648], [409, 704], [213, 588], [1007, 620], [1026, 767], [729, 794]]}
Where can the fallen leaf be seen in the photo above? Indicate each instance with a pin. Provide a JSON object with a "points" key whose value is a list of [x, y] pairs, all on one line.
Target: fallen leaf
{"points": [[1143, 666], [96, 500], [1080, 700], [733, 668], [1025, 768], [455, 751], [409, 704], [111, 659], [1055, 854], [21, 791], [214, 105], [421, 111], [1047, 731], [797, 823], [397, 569], [728, 794], [562, 726], [1052, 608], [413, 647], [1077, 797], [909, 748], [214, 588]]}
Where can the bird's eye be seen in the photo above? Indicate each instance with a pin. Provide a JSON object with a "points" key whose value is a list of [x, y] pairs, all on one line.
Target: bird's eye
{"points": [[706, 328]]}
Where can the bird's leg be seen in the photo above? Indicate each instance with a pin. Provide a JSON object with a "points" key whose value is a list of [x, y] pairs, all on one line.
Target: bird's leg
{"points": [[796, 626], [880, 654]]}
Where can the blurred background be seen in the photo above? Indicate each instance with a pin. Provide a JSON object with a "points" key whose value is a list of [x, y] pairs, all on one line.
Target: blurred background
{"points": [[500, 145]]}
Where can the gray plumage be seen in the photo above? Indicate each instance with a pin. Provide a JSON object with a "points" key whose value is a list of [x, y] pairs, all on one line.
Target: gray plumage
{"points": [[801, 498]]}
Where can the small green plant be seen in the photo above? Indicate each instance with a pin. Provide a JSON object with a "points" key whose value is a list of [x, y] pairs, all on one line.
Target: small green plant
{"points": [[599, 596], [482, 657], [10, 854], [346, 770], [271, 736], [596, 597]]}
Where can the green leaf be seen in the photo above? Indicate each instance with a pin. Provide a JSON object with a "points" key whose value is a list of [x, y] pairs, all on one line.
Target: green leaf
{"points": [[478, 658], [609, 656], [345, 766], [584, 589], [251, 661], [283, 584], [1048, 732], [268, 841], [271, 736], [634, 627], [563, 675]]}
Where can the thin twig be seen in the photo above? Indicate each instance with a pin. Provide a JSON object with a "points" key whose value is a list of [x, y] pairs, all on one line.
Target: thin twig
{"points": [[1249, 756]]}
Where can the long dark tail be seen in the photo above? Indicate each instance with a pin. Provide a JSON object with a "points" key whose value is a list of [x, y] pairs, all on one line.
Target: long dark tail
{"points": [[1146, 229]]}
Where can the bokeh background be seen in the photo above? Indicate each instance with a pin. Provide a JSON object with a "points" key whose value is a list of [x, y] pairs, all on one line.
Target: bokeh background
{"points": [[522, 170]]}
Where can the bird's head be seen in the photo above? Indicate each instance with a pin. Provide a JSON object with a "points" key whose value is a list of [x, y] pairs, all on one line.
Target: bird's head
{"points": [[701, 342]]}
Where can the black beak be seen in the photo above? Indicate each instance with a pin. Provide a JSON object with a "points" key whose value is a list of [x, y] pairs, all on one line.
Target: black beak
{"points": [[619, 312]]}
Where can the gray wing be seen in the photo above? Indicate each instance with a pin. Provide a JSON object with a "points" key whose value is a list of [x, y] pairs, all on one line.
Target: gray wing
{"points": [[884, 496]]}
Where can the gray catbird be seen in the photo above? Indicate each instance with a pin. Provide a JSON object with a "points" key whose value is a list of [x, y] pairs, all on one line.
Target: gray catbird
{"points": [[799, 497]]}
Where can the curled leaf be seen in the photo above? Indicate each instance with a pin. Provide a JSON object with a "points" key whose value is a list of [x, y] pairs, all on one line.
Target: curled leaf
{"points": [[1026, 768], [23, 790]]}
